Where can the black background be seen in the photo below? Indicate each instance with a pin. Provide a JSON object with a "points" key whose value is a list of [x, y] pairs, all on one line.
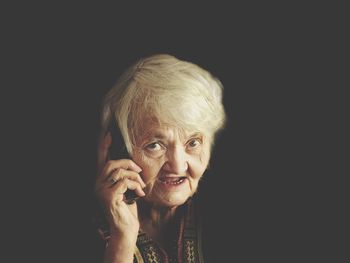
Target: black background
{"points": [[268, 186]]}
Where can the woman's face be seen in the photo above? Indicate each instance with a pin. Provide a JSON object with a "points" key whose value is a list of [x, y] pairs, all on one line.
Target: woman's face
{"points": [[172, 163]]}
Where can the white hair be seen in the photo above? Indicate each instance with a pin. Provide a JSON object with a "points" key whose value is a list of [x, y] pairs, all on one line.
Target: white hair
{"points": [[168, 90]]}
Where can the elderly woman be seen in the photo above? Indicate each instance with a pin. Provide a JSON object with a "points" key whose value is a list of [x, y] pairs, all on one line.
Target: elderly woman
{"points": [[168, 112]]}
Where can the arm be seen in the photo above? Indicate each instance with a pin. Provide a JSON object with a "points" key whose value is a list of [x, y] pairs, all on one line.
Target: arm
{"points": [[119, 250], [114, 179]]}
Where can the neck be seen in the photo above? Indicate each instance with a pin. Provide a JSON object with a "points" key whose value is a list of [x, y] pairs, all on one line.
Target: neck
{"points": [[157, 216], [156, 221]]}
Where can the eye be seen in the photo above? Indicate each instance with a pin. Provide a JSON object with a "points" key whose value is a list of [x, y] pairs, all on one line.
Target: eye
{"points": [[153, 147], [194, 143]]}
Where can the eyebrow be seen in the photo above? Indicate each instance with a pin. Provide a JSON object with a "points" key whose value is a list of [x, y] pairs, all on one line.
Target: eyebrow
{"points": [[159, 135], [195, 134]]}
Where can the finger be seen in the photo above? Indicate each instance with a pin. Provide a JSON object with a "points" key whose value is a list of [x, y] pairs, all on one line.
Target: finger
{"points": [[120, 173], [105, 142], [122, 186], [126, 164]]}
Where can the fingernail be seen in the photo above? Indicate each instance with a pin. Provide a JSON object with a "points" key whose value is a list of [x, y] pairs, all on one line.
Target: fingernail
{"points": [[139, 170]]}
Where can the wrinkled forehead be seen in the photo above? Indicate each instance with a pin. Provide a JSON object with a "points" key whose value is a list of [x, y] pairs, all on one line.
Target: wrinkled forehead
{"points": [[155, 127]]}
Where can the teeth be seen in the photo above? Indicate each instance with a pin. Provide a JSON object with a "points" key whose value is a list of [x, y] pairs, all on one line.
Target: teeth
{"points": [[172, 181]]}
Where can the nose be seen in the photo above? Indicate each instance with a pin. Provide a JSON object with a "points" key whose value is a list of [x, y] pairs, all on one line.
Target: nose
{"points": [[176, 161]]}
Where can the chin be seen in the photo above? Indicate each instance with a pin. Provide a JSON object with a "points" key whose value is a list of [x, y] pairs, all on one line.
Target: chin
{"points": [[171, 200]]}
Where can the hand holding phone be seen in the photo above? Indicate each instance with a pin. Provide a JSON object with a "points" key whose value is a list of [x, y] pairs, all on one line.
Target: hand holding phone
{"points": [[117, 151], [111, 191]]}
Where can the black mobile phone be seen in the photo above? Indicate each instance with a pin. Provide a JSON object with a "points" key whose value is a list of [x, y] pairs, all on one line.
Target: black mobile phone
{"points": [[118, 151]]}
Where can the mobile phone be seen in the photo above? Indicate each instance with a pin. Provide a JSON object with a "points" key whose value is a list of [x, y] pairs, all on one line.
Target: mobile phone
{"points": [[117, 151]]}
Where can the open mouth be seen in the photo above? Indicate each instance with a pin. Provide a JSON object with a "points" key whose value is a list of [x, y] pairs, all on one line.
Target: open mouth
{"points": [[172, 180]]}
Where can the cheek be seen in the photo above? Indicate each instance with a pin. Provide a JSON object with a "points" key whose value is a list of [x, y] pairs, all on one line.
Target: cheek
{"points": [[199, 164], [150, 167], [204, 157], [149, 174]]}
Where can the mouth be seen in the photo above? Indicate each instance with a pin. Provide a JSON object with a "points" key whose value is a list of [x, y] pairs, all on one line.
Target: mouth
{"points": [[172, 180]]}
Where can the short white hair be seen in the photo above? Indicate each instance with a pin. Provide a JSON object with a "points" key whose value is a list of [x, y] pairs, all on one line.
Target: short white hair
{"points": [[172, 91]]}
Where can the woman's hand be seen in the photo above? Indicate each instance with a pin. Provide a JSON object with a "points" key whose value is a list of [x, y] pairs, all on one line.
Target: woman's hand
{"points": [[114, 179]]}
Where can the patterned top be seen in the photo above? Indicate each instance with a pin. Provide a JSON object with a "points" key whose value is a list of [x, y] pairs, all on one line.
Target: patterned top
{"points": [[183, 246]]}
